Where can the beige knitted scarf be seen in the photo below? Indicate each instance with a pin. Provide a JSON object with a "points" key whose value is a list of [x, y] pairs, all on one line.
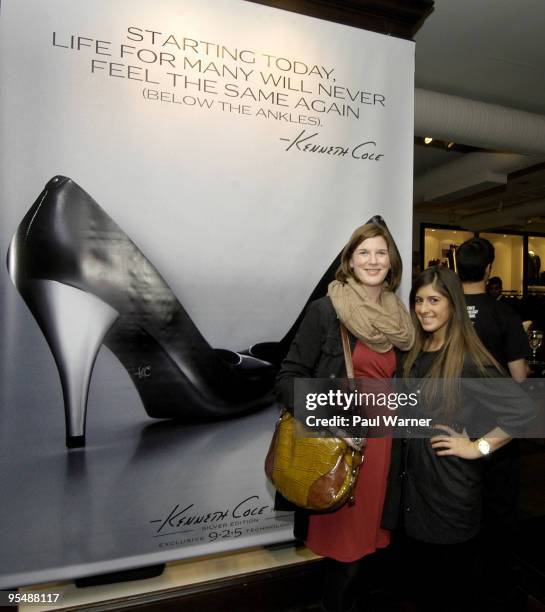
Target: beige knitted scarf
{"points": [[379, 324]]}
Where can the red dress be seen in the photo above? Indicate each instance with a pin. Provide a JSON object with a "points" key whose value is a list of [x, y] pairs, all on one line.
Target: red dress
{"points": [[350, 533]]}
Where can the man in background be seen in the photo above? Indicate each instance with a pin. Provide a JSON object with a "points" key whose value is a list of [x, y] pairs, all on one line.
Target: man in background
{"points": [[494, 287], [497, 325], [500, 330]]}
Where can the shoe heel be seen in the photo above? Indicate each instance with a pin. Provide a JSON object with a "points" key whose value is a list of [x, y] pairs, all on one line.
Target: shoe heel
{"points": [[74, 324]]}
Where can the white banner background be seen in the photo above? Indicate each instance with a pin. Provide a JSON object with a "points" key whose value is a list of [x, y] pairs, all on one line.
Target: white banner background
{"points": [[240, 228]]}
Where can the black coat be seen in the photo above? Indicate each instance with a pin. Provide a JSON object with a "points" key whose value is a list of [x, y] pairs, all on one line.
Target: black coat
{"points": [[317, 352]]}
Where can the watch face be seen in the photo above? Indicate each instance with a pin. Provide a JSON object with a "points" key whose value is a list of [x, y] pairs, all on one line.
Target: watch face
{"points": [[484, 447]]}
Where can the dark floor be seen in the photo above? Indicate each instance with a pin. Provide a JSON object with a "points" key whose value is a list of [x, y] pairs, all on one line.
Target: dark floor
{"points": [[531, 536]]}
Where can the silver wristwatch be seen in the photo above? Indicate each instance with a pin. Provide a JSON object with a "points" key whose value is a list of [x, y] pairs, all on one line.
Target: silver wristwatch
{"points": [[483, 446]]}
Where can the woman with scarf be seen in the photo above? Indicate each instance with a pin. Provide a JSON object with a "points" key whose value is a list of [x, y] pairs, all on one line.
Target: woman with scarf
{"points": [[362, 297]]}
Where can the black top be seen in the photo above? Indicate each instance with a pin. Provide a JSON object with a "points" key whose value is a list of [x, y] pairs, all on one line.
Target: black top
{"points": [[499, 328], [423, 363], [441, 496]]}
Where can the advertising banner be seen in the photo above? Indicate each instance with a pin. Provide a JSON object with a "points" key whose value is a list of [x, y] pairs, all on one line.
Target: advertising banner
{"points": [[176, 178]]}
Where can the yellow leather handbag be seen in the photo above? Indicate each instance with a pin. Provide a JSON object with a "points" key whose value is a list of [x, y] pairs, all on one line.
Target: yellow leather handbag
{"points": [[313, 473]]}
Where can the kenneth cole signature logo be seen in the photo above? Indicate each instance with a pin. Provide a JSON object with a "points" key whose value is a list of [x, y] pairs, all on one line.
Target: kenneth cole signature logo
{"points": [[143, 371], [185, 516], [306, 144]]}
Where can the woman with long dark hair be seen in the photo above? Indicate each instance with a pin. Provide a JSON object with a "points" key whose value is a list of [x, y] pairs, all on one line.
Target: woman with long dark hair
{"points": [[363, 298], [441, 492]]}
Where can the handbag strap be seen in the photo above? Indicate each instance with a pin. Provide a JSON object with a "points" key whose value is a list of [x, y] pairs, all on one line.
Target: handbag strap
{"points": [[357, 456], [347, 352]]}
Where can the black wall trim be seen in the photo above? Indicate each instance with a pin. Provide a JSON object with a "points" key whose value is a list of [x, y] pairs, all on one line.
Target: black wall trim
{"points": [[401, 18]]}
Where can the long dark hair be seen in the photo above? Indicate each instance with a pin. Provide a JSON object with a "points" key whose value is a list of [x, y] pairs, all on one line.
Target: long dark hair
{"points": [[460, 341]]}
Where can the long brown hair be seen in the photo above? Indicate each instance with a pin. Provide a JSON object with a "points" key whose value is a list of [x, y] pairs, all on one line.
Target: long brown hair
{"points": [[371, 230], [460, 340]]}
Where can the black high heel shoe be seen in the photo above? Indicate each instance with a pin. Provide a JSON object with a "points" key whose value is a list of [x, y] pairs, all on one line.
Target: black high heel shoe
{"points": [[87, 284]]}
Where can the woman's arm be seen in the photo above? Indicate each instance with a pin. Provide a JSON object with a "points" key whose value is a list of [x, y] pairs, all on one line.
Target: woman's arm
{"points": [[499, 405]]}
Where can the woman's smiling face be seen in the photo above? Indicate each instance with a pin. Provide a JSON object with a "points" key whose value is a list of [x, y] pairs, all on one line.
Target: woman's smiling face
{"points": [[433, 310], [370, 261]]}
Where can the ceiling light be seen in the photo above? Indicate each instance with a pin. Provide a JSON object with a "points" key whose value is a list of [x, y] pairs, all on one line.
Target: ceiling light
{"points": [[427, 140]]}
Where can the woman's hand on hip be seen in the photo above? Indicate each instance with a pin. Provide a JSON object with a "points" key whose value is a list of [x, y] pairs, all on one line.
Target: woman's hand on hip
{"points": [[455, 444]]}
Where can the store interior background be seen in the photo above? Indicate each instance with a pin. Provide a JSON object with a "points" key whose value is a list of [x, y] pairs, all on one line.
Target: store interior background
{"points": [[484, 170], [490, 180]]}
